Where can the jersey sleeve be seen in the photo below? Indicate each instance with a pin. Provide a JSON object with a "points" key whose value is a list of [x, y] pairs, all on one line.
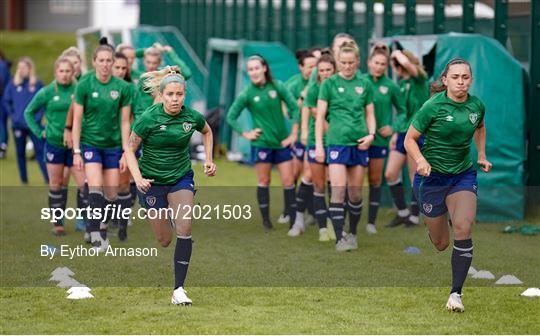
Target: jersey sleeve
{"points": [[482, 112], [143, 126], [399, 104], [80, 93], [200, 121], [423, 118], [289, 100], [185, 71], [35, 106], [369, 94], [127, 96], [324, 92], [311, 96], [234, 112]]}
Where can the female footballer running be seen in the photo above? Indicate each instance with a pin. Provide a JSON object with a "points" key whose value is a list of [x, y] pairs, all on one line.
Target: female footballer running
{"points": [[163, 175], [445, 182]]}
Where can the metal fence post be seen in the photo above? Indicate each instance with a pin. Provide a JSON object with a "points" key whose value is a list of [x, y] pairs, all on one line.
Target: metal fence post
{"points": [[501, 21], [284, 29], [438, 17], [257, 18], [388, 18], [313, 22], [534, 100], [468, 16], [269, 32], [410, 17], [297, 30], [330, 20]]}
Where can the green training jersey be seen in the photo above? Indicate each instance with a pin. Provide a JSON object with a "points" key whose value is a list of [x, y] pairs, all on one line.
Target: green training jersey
{"points": [[385, 95], [448, 128], [415, 91], [264, 104], [56, 99], [102, 103], [296, 85], [165, 142], [310, 102], [346, 100]]}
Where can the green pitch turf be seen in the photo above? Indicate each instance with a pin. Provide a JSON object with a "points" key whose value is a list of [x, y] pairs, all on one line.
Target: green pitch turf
{"points": [[244, 281]]}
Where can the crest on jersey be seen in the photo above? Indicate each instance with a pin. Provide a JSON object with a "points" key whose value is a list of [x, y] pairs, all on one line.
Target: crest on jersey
{"points": [[187, 126], [341, 90], [162, 127], [95, 94], [19, 88], [151, 200], [114, 94], [256, 99], [50, 156], [88, 155], [272, 94], [473, 118], [427, 207], [262, 155], [383, 89], [334, 155], [56, 98], [359, 90]]}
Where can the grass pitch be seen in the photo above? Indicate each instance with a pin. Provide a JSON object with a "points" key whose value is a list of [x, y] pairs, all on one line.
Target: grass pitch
{"points": [[244, 281]]}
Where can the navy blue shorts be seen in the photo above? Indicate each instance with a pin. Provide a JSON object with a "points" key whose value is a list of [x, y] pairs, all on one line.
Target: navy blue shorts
{"points": [[58, 155], [109, 158], [299, 150], [346, 155], [377, 152], [431, 191], [311, 154], [270, 155], [400, 143], [156, 196]]}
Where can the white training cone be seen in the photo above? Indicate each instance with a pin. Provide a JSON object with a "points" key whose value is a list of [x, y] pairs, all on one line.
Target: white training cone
{"points": [[79, 295], [483, 275], [530, 292], [68, 283], [78, 289], [472, 271], [508, 280], [59, 277], [68, 271]]}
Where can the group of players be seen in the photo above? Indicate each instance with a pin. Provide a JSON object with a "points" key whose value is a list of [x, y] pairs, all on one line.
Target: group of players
{"points": [[342, 123], [111, 126]]}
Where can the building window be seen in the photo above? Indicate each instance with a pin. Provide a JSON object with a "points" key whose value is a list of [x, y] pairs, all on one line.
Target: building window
{"points": [[67, 6]]}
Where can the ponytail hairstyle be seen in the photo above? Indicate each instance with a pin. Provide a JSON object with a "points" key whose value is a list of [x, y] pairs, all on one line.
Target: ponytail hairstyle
{"points": [[438, 86], [119, 55], [72, 52], [302, 54], [327, 58], [155, 81], [32, 78], [103, 46], [268, 74], [350, 47], [380, 49], [414, 60], [152, 51], [338, 36], [123, 46]]}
